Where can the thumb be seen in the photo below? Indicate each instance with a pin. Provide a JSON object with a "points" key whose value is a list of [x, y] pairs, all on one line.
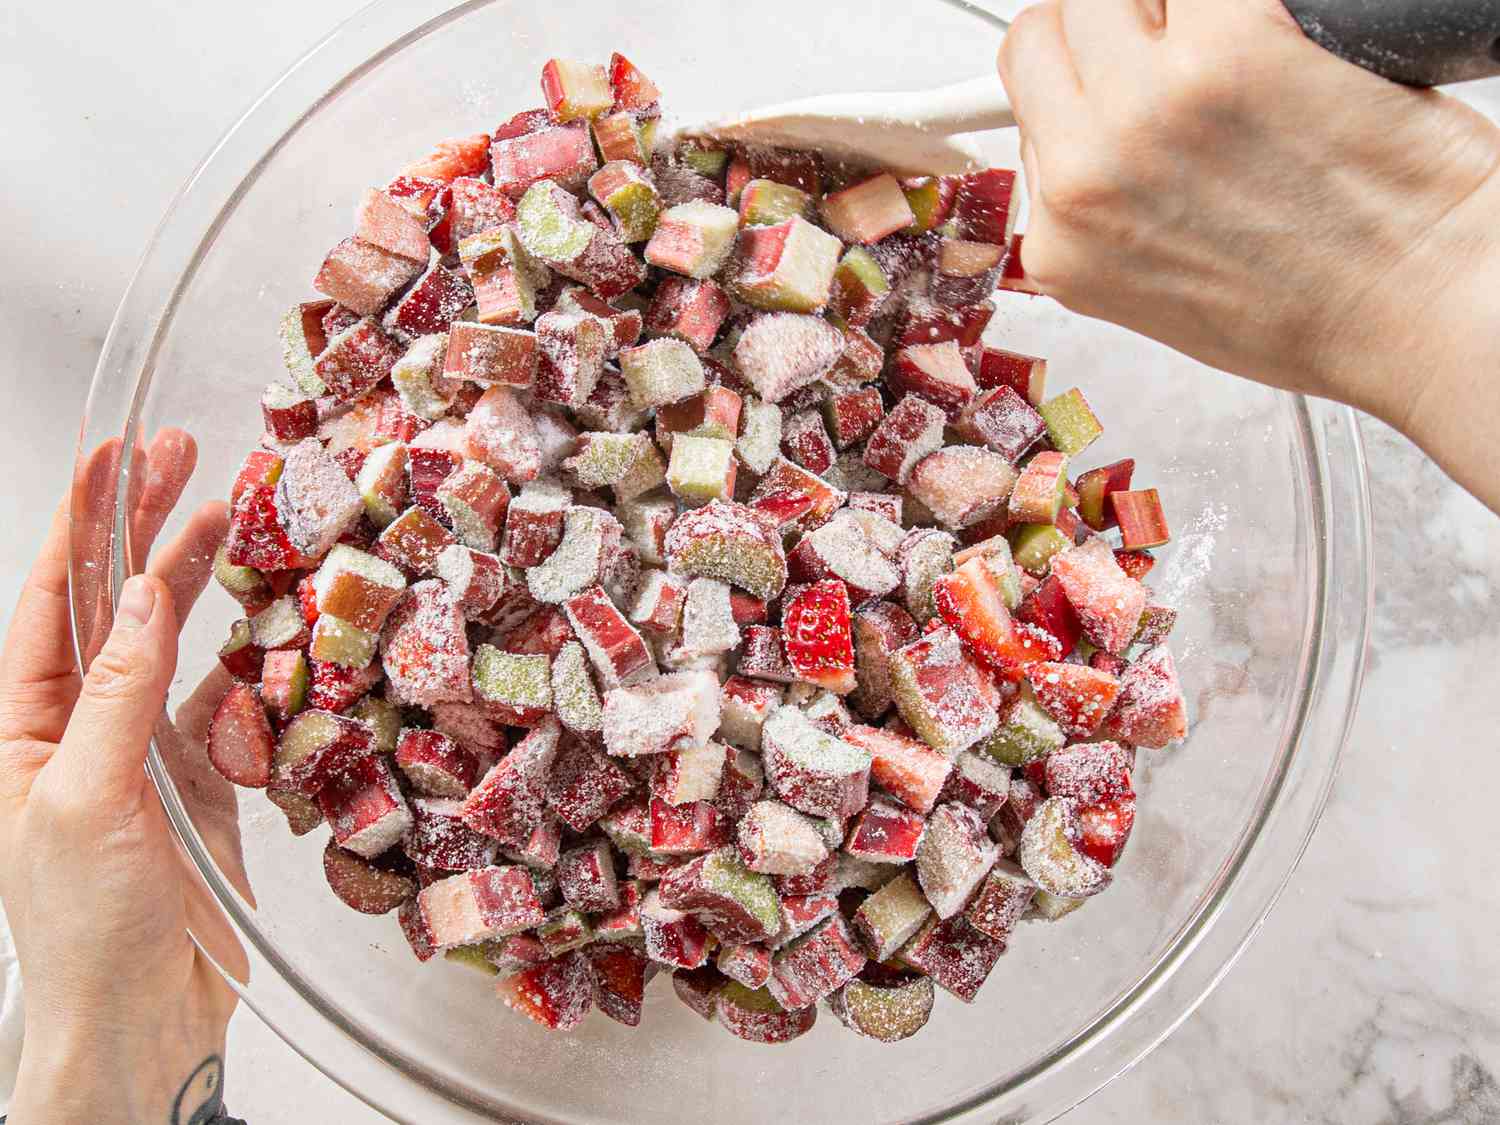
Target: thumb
{"points": [[124, 690]]}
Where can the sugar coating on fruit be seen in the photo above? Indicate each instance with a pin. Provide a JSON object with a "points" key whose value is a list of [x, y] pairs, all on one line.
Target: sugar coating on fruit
{"points": [[727, 541], [425, 647], [779, 353], [1050, 855], [579, 559], [655, 717], [661, 372], [777, 840], [708, 625], [812, 770]]}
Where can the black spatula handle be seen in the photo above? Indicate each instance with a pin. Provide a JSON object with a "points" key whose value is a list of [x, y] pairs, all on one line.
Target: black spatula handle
{"points": [[1418, 42]]}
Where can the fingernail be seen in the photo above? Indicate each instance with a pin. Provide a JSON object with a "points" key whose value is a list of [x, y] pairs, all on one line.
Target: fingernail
{"points": [[137, 600]]}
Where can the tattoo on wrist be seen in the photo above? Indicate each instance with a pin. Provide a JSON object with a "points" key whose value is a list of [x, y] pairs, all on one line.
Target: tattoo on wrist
{"points": [[201, 1099]]}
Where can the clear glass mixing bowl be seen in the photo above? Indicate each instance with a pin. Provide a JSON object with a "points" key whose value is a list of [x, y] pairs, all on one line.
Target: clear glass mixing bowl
{"points": [[1270, 567]]}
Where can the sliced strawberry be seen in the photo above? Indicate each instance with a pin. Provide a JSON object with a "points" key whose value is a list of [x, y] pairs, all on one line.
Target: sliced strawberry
{"points": [[333, 687], [261, 468], [970, 603], [1104, 828], [307, 601], [1137, 564], [632, 89], [256, 537], [1048, 608], [818, 633], [454, 157], [1150, 711], [1088, 772], [240, 743], [1078, 697], [1108, 662], [556, 994]]}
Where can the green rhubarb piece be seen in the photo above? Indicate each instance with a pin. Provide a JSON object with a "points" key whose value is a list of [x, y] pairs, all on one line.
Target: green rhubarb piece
{"points": [[1034, 544], [703, 158], [335, 641], [1052, 907], [661, 372], [547, 230], [627, 829], [473, 956], [859, 272], [925, 198], [563, 931], [724, 873], [517, 680], [1026, 733], [764, 203], [278, 625], [701, 469], [749, 1000], [573, 693], [1071, 424], [1002, 567], [629, 463], [243, 583], [890, 917], [417, 375], [384, 718]]}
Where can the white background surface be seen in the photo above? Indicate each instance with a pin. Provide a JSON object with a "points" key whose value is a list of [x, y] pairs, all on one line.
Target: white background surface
{"points": [[1373, 994]]}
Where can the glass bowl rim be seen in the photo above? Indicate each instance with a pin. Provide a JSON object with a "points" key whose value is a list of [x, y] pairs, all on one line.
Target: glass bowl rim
{"points": [[1207, 943]]}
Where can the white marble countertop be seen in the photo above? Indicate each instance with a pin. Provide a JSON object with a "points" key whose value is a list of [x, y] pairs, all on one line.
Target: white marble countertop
{"points": [[1372, 994]]}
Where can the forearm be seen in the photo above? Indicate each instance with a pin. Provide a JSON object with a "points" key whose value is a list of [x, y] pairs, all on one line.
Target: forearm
{"points": [[1424, 358]]}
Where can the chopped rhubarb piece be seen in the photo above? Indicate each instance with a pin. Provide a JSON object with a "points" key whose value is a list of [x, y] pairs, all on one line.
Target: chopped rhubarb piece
{"points": [[912, 430], [334, 687], [814, 965], [759, 442], [1150, 711], [787, 267], [362, 885], [955, 854], [1139, 514], [805, 441], [476, 207], [302, 813], [1071, 424], [618, 136], [365, 808], [439, 838], [678, 710], [729, 542], [935, 372], [626, 191], [853, 415], [956, 956], [978, 781], [745, 705], [560, 153], [501, 432], [890, 917], [556, 993], [475, 500], [1002, 420], [619, 973], [245, 584], [673, 938], [682, 830], [764, 203], [564, 930], [719, 890], [625, 921], [491, 354], [817, 632], [1001, 900], [364, 277], [514, 688], [1026, 732], [694, 238], [878, 630], [885, 832], [778, 840], [278, 625], [534, 524], [586, 877], [701, 469], [508, 803], [1038, 493], [926, 323], [986, 205], [357, 587], [843, 548], [553, 229], [1094, 488], [241, 657], [584, 785], [659, 603], [283, 685], [777, 497], [1089, 772], [888, 1009], [756, 1016], [382, 483], [868, 211], [623, 325], [689, 774], [470, 726], [962, 484], [931, 201], [413, 541], [1050, 853], [616, 649], [1024, 374], [318, 746], [289, 414], [946, 700], [860, 288], [631, 88], [714, 413], [544, 632], [699, 989], [779, 353], [661, 372], [746, 963], [572, 356], [240, 743], [435, 764], [690, 310], [708, 625], [302, 341], [965, 272], [425, 648], [574, 89], [427, 469], [1108, 602], [356, 360], [382, 222], [812, 770]]}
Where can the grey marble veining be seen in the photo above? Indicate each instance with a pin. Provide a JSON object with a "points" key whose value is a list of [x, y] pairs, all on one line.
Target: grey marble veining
{"points": [[1372, 995]]}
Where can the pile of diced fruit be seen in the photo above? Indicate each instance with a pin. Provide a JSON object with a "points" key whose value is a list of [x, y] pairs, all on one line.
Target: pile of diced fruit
{"points": [[649, 568]]}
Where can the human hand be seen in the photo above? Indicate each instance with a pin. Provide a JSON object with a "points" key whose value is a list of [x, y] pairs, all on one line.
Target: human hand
{"points": [[1201, 172], [125, 1018]]}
